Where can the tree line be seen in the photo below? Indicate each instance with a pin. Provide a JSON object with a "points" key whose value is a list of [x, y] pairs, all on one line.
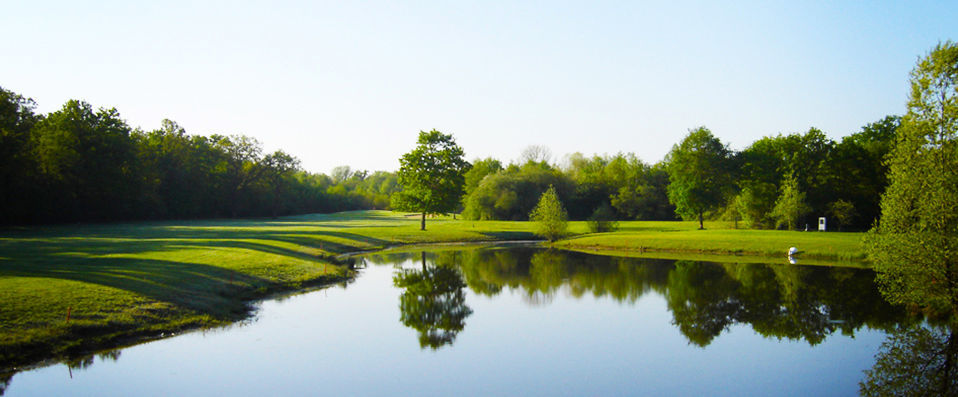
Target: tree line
{"points": [[80, 164], [781, 181], [784, 181]]}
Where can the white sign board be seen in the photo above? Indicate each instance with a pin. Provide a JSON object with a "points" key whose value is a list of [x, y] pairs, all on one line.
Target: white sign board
{"points": [[821, 224]]}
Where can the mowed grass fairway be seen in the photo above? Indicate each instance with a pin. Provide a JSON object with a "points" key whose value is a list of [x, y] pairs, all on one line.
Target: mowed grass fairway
{"points": [[720, 238], [119, 282]]}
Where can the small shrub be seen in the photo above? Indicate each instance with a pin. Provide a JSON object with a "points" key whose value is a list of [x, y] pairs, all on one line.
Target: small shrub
{"points": [[550, 216], [603, 220]]}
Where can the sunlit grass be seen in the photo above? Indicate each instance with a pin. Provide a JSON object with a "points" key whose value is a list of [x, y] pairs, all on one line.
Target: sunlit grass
{"points": [[720, 238]]}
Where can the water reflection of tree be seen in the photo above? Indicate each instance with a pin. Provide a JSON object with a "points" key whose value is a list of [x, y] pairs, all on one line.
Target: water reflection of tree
{"points": [[433, 302], [80, 363], [5, 381], [73, 363], [700, 301], [915, 361], [793, 302]]}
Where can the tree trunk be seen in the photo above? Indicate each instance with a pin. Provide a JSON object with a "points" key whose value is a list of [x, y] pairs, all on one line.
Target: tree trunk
{"points": [[701, 223], [422, 225]]}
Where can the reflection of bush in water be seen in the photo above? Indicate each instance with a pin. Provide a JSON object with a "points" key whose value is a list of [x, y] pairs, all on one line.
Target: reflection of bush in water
{"points": [[915, 361], [538, 298]]}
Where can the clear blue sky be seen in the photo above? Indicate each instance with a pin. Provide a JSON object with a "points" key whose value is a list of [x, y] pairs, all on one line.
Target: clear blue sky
{"points": [[352, 83]]}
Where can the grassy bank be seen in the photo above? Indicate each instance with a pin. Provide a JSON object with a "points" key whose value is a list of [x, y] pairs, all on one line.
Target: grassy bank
{"points": [[719, 239], [70, 289]]}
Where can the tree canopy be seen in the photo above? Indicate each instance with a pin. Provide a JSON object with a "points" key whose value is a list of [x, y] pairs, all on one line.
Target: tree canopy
{"points": [[915, 245], [81, 163], [790, 206], [699, 174], [432, 176]]}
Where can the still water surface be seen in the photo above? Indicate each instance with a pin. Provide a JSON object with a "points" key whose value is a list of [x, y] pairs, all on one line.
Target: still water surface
{"points": [[520, 321]]}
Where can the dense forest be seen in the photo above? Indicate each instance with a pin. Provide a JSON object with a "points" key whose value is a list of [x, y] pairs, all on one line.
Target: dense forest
{"points": [[80, 164]]}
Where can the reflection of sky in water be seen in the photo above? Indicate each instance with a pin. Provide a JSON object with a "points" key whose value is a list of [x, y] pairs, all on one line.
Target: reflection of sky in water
{"points": [[351, 342]]}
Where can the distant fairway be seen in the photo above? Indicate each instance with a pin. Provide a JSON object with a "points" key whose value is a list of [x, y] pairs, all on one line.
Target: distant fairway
{"points": [[119, 282], [719, 238]]}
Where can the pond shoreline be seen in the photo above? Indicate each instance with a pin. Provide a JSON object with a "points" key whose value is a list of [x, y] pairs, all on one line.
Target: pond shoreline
{"points": [[122, 338], [112, 338], [318, 250], [716, 255]]}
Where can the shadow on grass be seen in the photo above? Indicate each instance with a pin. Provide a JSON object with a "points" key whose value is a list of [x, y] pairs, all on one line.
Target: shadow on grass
{"points": [[155, 260], [205, 289], [656, 227], [510, 235], [89, 254]]}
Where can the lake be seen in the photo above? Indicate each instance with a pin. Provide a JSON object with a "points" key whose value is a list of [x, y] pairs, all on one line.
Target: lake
{"points": [[521, 320]]}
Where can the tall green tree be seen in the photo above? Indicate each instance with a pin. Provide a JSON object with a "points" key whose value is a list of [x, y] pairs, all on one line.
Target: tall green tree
{"points": [[87, 158], [432, 176], [177, 173], [480, 169], [790, 207], [915, 245], [279, 167], [843, 212], [16, 163], [755, 203], [700, 174], [858, 170], [644, 195]]}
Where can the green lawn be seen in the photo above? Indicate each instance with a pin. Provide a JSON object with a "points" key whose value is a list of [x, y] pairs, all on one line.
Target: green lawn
{"points": [[720, 238], [119, 282]]}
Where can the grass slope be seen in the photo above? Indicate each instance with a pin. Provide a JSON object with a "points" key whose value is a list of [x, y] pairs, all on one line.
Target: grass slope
{"points": [[125, 281]]}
